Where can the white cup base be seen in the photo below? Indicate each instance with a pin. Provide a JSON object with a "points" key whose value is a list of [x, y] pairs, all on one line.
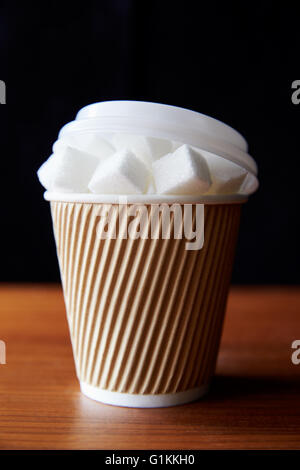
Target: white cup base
{"points": [[142, 401]]}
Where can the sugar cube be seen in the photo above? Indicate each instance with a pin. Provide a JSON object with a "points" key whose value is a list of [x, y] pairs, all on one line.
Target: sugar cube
{"points": [[91, 143], [183, 172], [70, 170], [227, 177], [145, 148], [122, 173]]}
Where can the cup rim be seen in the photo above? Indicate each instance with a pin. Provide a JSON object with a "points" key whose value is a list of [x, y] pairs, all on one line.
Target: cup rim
{"points": [[143, 198]]}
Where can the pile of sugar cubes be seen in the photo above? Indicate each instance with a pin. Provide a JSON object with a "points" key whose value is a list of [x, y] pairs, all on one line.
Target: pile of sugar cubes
{"points": [[135, 164]]}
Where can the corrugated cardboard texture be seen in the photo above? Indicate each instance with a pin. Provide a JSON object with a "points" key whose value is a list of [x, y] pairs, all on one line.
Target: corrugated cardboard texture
{"points": [[145, 316]]}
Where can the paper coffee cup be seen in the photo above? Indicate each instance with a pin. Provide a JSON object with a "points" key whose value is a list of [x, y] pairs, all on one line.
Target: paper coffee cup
{"points": [[145, 315]]}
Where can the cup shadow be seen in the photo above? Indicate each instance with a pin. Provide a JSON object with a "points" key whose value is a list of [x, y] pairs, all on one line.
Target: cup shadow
{"points": [[224, 387]]}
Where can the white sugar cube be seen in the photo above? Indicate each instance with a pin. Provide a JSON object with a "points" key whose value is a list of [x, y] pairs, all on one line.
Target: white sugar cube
{"points": [[151, 188], [145, 148], [183, 172], [227, 177], [91, 143], [68, 171], [175, 146], [249, 185], [45, 172], [122, 173]]}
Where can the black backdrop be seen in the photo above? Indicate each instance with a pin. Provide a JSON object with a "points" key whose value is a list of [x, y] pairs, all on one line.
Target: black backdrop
{"points": [[233, 61]]}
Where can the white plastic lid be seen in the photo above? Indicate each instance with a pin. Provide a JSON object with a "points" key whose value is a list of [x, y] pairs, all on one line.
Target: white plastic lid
{"points": [[164, 122]]}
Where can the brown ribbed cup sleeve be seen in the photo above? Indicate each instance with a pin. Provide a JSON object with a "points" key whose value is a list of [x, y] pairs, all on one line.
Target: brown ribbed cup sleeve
{"points": [[145, 316]]}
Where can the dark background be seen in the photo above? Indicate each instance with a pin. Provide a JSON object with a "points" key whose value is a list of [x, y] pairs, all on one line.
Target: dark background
{"points": [[233, 61]]}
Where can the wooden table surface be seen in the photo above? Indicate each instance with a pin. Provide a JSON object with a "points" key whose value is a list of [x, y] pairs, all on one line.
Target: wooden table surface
{"points": [[254, 402]]}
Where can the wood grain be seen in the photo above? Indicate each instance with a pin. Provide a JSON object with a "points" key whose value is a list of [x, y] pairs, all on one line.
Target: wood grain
{"points": [[253, 404]]}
